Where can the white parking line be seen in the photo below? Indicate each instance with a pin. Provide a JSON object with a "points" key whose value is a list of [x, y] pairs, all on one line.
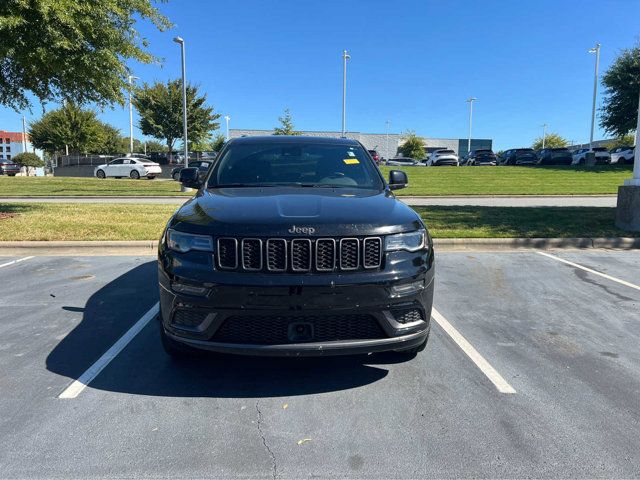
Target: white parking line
{"points": [[603, 275], [15, 261], [73, 390], [485, 367]]}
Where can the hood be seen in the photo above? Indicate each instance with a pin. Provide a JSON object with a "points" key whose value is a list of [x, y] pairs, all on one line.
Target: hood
{"points": [[282, 211]]}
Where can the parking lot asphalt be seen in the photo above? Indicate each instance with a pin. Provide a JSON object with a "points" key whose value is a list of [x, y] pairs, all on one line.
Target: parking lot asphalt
{"points": [[564, 338]]}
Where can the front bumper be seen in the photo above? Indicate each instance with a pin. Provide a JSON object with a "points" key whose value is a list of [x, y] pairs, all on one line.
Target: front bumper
{"points": [[334, 310]]}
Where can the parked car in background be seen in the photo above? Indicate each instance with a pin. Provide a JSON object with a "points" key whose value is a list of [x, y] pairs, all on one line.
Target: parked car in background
{"points": [[128, 167], [481, 156], [518, 156], [443, 157], [602, 156], [7, 167], [376, 157], [402, 162], [555, 156], [622, 155], [201, 165]]}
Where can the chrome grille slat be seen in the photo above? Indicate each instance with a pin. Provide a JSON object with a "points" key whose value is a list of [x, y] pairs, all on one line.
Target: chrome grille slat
{"points": [[227, 253], [325, 254], [276, 255], [252, 254], [299, 255], [349, 254]]}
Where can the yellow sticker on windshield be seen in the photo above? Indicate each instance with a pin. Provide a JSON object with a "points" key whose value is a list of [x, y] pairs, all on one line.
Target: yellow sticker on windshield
{"points": [[351, 161]]}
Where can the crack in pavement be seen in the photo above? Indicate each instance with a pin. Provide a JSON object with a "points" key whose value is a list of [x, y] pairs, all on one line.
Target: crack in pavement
{"points": [[264, 442]]}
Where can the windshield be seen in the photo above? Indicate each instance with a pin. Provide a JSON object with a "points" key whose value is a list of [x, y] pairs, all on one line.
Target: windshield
{"points": [[291, 164]]}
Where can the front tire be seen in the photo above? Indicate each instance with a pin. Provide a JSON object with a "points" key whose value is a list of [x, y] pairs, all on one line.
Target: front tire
{"points": [[176, 176], [135, 175], [100, 174]]}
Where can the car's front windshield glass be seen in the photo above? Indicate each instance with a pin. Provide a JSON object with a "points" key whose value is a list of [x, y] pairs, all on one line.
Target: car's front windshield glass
{"points": [[295, 164]]}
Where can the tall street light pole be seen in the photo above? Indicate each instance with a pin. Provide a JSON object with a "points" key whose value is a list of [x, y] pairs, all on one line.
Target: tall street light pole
{"points": [[345, 57], [227, 118], [595, 50], [180, 41], [386, 149], [131, 79], [544, 133], [470, 101]]}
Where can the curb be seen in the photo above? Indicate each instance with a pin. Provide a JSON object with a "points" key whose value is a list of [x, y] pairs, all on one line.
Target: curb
{"points": [[149, 247]]}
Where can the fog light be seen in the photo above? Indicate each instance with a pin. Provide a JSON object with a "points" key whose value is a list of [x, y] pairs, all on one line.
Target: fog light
{"points": [[407, 289], [189, 289]]}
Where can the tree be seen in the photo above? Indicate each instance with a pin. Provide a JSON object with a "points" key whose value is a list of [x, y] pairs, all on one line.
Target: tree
{"points": [[623, 141], [413, 146], [619, 112], [160, 109], [552, 140], [27, 159], [112, 140], [73, 50], [153, 146], [286, 125], [218, 143], [69, 126]]}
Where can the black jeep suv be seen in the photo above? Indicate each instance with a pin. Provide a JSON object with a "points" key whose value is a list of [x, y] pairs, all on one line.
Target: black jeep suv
{"points": [[295, 246]]}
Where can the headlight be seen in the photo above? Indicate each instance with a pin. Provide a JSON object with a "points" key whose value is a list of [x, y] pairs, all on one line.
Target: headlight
{"points": [[183, 242], [411, 242]]}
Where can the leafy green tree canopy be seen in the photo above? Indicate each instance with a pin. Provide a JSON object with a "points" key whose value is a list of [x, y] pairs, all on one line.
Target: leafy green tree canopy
{"points": [[27, 159], [72, 50], [218, 143], [155, 147], [627, 140], [619, 112], [413, 146], [71, 126], [160, 109], [286, 125], [552, 140]]}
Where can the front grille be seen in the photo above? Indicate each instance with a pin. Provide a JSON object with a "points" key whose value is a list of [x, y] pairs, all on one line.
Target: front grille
{"points": [[408, 315], [299, 255], [275, 329], [188, 318]]}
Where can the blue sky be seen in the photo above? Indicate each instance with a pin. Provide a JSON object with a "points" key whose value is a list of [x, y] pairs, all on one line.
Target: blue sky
{"points": [[413, 63]]}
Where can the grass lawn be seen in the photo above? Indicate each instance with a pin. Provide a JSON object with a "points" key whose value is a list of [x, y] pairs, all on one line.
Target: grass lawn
{"points": [[65, 186], [422, 181], [513, 180], [50, 221]]}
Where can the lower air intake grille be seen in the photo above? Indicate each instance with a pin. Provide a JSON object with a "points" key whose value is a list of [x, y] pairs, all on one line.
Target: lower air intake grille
{"points": [[274, 329], [408, 316], [188, 318]]}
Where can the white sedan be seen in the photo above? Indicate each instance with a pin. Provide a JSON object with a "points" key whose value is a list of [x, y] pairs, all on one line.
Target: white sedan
{"points": [[128, 167]]}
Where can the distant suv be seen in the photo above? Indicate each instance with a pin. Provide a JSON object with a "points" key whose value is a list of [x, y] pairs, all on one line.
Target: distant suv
{"points": [[295, 246], [601, 153], [7, 167], [376, 157], [442, 157], [622, 155], [201, 165], [482, 156], [519, 156], [554, 156]]}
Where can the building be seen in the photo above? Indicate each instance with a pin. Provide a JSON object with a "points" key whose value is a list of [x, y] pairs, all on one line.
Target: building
{"points": [[13, 143], [385, 144]]}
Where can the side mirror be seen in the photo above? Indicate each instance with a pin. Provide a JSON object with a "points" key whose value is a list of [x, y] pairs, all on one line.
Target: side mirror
{"points": [[397, 179], [189, 178]]}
